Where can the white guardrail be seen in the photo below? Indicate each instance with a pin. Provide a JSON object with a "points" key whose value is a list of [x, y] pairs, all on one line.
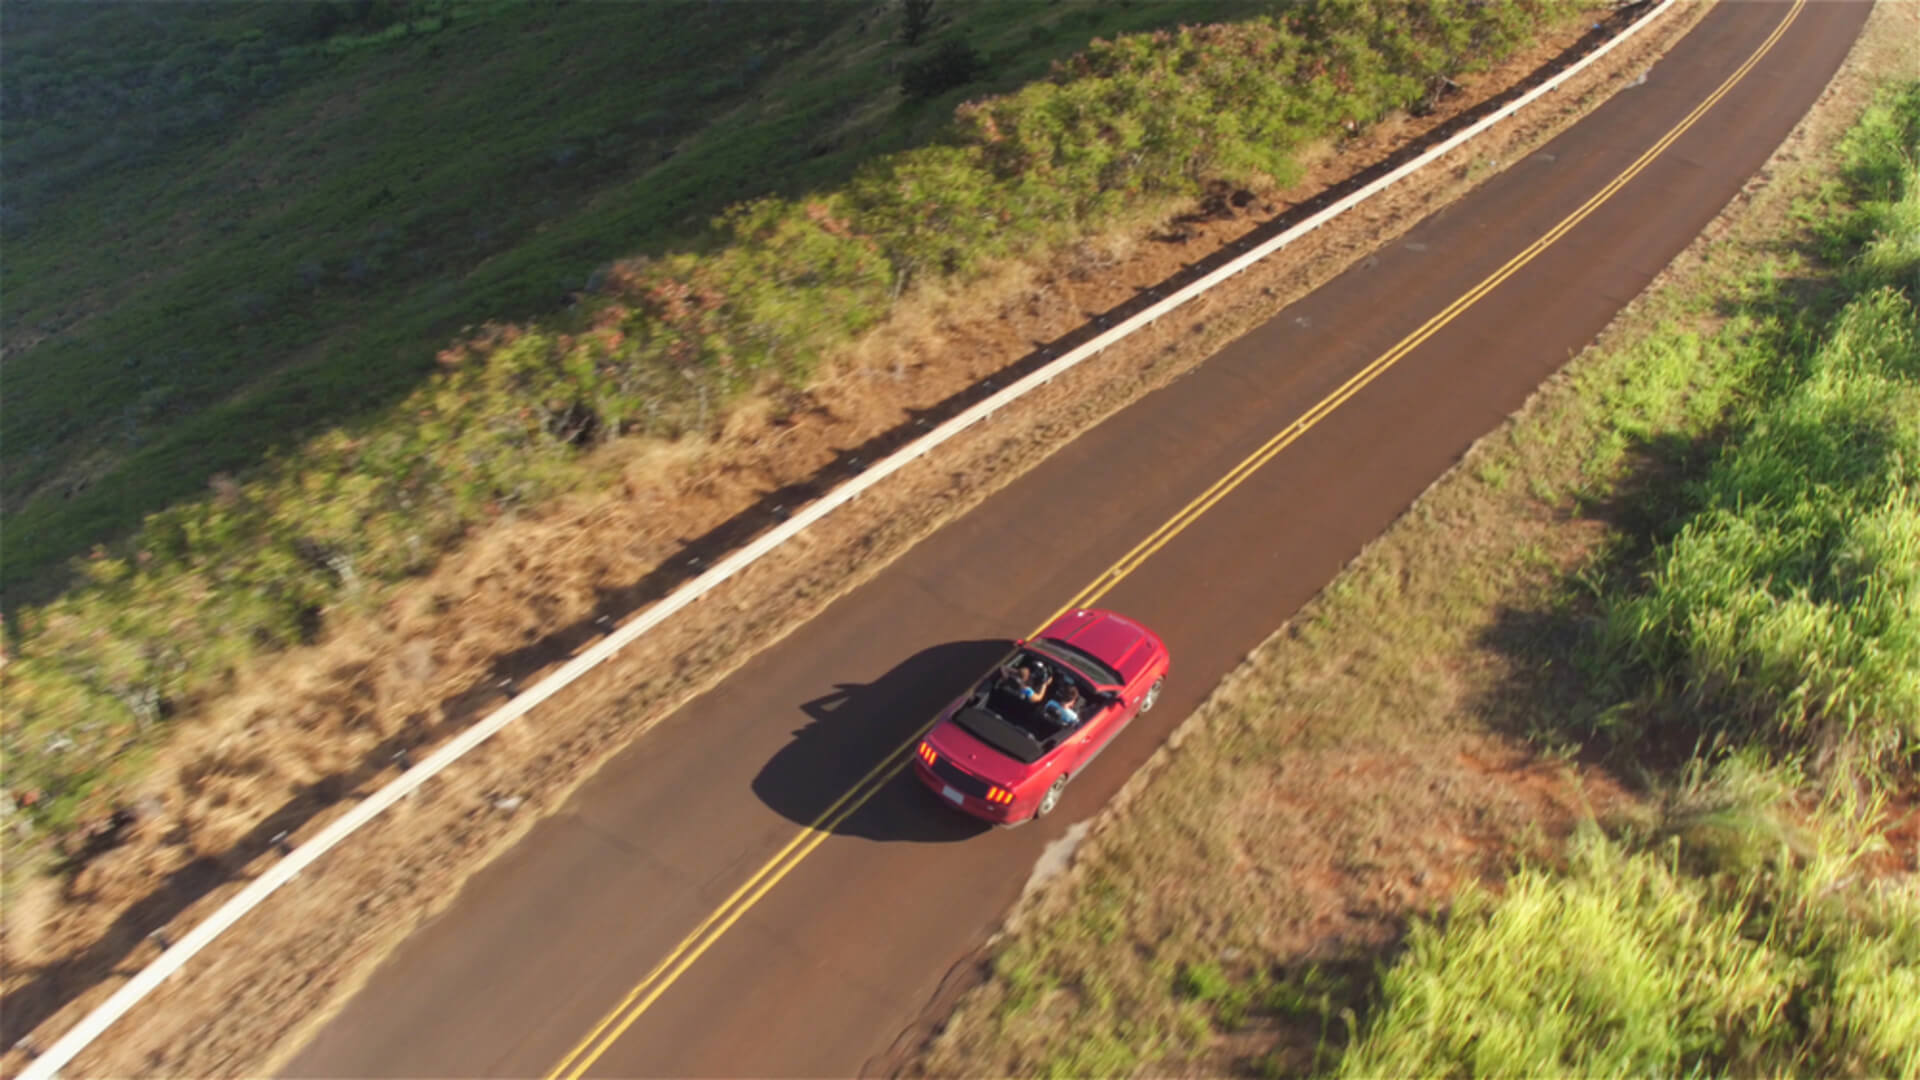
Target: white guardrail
{"points": [[48, 1065]]}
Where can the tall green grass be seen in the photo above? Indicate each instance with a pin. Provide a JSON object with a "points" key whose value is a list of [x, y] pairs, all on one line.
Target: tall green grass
{"points": [[666, 343], [1716, 948], [1790, 601]]}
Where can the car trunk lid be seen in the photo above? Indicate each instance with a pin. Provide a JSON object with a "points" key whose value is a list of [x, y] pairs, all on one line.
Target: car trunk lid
{"points": [[976, 756]]}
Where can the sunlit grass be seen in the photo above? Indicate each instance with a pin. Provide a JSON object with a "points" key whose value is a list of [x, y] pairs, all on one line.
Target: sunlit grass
{"points": [[1790, 600], [1674, 954]]}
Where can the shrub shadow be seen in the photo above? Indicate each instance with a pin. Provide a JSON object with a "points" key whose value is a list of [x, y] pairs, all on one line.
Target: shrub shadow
{"points": [[1315, 1005], [1562, 690]]}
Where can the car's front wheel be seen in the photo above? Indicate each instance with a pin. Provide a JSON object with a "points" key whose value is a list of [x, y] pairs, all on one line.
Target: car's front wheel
{"points": [[1153, 695], [1051, 799]]}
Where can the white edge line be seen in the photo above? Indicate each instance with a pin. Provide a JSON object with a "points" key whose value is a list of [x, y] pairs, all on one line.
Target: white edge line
{"points": [[47, 1065]]}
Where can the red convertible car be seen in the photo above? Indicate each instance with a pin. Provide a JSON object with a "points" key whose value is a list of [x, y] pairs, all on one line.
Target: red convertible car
{"points": [[1005, 751]]}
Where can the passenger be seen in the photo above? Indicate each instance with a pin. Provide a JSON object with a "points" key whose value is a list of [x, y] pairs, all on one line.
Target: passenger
{"points": [[1031, 681], [1064, 709]]}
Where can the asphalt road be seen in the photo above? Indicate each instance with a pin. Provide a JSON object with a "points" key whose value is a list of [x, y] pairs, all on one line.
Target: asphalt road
{"points": [[818, 974]]}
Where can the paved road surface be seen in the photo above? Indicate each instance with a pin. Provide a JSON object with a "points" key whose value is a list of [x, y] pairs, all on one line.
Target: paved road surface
{"points": [[822, 973]]}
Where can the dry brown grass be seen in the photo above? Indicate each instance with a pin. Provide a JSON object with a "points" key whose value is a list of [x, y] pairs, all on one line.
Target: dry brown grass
{"points": [[297, 738], [1372, 755]]}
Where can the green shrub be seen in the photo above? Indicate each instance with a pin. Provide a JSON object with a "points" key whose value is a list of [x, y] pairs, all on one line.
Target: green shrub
{"points": [[1795, 593], [1626, 965]]}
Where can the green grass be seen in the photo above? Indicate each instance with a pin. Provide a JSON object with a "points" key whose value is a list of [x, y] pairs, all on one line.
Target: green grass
{"points": [[477, 170], [1666, 959]]}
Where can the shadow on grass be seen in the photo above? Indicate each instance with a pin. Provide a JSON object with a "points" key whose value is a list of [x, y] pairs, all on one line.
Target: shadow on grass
{"points": [[1309, 1010], [496, 245], [1567, 690], [1563, 690]]}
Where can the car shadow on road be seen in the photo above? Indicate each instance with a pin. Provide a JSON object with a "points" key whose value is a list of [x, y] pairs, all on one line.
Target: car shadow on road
{"points": [[854, 729]]}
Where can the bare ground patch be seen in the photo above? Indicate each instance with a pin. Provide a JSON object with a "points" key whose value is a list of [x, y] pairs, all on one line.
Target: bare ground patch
{"points": [[296, 741], [1373, 754]]}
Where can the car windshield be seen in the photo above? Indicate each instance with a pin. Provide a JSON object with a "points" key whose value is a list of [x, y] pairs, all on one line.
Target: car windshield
{"points": [[1080, 658]]}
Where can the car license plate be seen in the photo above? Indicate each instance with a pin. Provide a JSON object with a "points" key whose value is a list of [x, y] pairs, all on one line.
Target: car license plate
{"points": [[954, 795]]}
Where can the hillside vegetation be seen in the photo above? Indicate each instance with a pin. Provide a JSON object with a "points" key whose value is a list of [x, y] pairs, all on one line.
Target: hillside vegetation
{"points": [[233, 226], [661, 345]]}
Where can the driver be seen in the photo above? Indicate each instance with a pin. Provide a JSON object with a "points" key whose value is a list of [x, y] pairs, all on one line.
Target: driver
{"points": [[1064, 709], [1031, 681]]}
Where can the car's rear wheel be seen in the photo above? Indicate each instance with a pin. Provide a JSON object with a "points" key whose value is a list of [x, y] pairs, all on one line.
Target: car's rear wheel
{"points": [[1153, 695], [1051, 799]]}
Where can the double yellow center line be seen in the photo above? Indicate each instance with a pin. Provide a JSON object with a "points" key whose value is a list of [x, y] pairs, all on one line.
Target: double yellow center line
{"points": [[668, 970]]}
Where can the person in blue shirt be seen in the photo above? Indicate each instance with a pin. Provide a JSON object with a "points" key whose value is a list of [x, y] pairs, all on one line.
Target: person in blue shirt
{"points": [[1064, 709], [1031, 681]]}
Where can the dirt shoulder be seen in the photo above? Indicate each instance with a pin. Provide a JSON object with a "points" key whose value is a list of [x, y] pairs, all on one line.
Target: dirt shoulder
{"points": [[1381, 749], [298, 742]]}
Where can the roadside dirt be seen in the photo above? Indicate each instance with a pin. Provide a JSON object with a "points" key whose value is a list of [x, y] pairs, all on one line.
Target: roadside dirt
{"points": [[297, 742]]}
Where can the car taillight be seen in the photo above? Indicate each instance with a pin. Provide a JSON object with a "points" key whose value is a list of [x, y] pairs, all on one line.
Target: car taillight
{"points": [[927, 755], [997, 794]]}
